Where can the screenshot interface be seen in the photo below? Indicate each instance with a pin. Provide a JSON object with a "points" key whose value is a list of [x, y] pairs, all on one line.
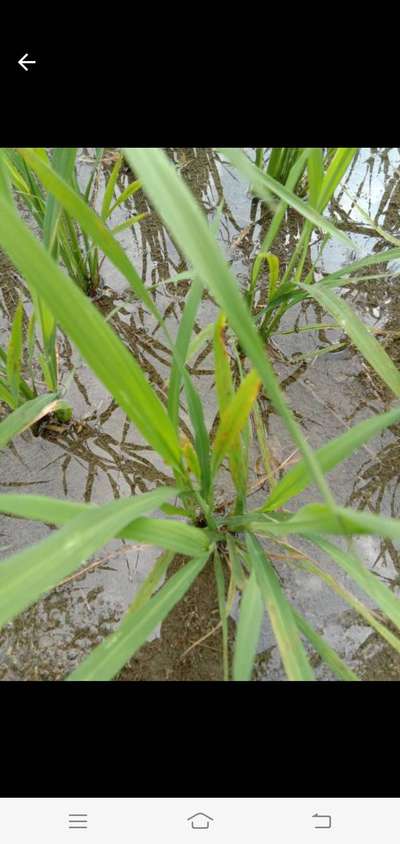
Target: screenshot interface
{"points": [[204, 821]]}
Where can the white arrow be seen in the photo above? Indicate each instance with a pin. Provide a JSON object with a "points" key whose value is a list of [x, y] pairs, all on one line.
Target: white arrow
{"points": [[24, 61]]}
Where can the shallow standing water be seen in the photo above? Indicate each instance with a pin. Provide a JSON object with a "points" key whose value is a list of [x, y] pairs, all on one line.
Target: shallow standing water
{"points": [[100, 456]]}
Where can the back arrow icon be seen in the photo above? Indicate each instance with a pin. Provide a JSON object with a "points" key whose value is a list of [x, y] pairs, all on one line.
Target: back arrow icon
{"points": [[24, 61], [326, 818]]}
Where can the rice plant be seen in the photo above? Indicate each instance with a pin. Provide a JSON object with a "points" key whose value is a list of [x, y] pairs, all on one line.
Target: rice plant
{"points": [[69, 245], [322, 183], [324, 174], [22, 398], [280, 161], [195, 525], [60, 232]]}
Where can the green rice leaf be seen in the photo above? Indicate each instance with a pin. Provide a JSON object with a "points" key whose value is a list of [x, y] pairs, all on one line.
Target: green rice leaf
{"points": [[225, 394], [326, 653], [129, 191], [128, 224], [354, 603], [112, 654], [293, 655], [369, 261], [335, 172], [14, 351], [329, 456], [5, 180], [6, 395], [201, 438], [63, 163], [369, 582], [236, 567], [181, 348], [315, 174], [176, 205], [263, 184], [176, 536], [276, 222], [29, 574], [222, 606], [99, 346], [248, 629], [199, 341], [362, 338], [152, 580], [109, 191], [92, 224], [223, 374], [27, 414], [318, 518]]}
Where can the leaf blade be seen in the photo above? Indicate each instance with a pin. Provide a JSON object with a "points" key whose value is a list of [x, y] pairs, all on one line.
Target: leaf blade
{"points": [[365, 342], [285, 629], [248, 629], [183, 217], [27, 414], [30, 573], [327, 653], [264, 183], [102, 349], [234, 418], [110, 656], [176, 536], [329, 456]]}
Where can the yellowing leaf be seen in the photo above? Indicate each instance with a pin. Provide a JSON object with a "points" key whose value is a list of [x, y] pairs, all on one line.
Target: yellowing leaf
{"points": [[234, 418]]}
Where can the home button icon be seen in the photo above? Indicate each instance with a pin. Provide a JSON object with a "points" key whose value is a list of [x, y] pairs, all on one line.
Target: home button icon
{"points": [[200, 821]]}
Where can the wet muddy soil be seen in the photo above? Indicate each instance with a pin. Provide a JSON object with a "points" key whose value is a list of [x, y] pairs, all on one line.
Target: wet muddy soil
{"points": [[190, 643], [99, 455]]}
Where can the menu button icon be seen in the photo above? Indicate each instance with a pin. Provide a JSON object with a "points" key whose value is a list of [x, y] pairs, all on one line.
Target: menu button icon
{"points": [[77, 821]]}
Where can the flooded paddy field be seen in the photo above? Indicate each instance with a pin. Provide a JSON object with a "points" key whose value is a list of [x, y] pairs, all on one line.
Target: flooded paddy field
{"points": [[99, 455]]}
